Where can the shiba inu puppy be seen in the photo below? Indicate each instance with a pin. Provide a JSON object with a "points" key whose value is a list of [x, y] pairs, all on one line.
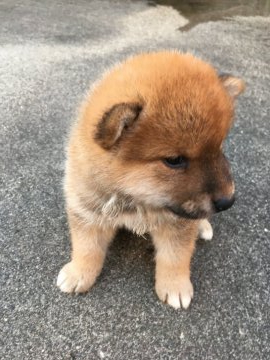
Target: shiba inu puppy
{"points": [[146, 154]]}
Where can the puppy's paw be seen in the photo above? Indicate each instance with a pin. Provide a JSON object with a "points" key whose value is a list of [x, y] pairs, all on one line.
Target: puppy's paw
{"points": [[72, 279], [176, 294], [205, 230]]}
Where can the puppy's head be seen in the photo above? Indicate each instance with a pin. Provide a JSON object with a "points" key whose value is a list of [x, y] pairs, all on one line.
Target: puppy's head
{"points": [[161, 130]]}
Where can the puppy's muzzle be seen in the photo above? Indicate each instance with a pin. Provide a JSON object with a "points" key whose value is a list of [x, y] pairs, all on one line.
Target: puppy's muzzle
{"points": [[218, 205], [223, 203]]}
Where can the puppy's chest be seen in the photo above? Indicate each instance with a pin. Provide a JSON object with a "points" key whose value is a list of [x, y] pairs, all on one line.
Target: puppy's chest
{"points": [[119, 211]]}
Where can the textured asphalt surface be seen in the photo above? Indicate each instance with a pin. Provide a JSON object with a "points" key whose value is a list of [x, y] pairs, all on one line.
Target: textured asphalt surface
{"points": [[50, 52]]}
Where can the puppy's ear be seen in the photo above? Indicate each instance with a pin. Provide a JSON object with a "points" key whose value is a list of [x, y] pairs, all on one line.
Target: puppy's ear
{"points": [[233, 85], [115, 122]]}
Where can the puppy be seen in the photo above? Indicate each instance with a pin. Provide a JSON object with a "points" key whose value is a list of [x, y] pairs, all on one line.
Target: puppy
{"points": [[146, 154]]}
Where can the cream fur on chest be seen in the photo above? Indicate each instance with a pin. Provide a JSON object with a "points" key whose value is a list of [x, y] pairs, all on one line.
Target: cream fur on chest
{"points": [[117, 212]]}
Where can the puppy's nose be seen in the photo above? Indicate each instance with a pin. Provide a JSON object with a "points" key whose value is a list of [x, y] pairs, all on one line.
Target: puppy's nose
{"points": [[223, 203]]}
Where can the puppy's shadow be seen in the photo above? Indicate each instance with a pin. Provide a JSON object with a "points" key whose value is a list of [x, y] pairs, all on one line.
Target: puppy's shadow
{"points": [[129, 255]]}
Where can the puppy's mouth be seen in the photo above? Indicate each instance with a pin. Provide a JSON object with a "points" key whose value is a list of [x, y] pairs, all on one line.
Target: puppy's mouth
{"points": [[194, 215]]}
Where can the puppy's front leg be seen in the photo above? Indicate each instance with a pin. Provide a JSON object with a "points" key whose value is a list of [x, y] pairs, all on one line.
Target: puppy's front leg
{"points": [[174, 245], [89, 246]]}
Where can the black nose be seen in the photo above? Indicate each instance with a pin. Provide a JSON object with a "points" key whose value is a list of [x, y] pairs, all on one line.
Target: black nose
{"points": [[223, 203]]}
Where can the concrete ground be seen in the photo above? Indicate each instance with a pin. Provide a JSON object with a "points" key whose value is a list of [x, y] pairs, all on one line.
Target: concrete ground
{"points": [[50, 51]]}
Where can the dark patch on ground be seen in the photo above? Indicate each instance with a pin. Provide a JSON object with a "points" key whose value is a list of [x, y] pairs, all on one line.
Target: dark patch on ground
{"points": [[200, 11]]}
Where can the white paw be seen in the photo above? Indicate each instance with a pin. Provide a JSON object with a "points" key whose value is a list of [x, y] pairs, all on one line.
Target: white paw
{"points": [[205, 230], [175, 294], [73, 280]]}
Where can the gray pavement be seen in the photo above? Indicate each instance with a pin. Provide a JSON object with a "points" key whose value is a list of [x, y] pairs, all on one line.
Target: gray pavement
{"points": [[50, 51]]}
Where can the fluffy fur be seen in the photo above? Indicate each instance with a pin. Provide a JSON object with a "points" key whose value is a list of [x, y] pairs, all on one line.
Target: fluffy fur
{"points": [[152, 107]]}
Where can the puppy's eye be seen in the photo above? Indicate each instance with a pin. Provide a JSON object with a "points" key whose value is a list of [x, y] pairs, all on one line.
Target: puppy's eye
{"points": [[179, 162]]}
